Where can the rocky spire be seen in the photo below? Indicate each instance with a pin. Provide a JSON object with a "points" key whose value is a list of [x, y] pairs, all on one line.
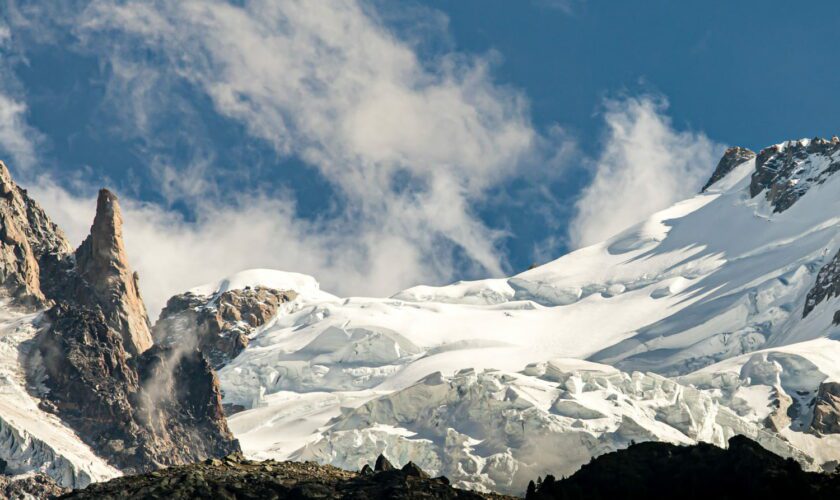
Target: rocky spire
{"points": [[102, 262]]}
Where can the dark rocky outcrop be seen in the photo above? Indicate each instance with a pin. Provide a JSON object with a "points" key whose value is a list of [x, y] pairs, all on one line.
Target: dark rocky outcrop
{"points": [[236, 478], [30, 487], [382, 464], [826, 286], [785, 172], [826, 419], [218, 326], [731, 158], [142, 412], [666, 471]]}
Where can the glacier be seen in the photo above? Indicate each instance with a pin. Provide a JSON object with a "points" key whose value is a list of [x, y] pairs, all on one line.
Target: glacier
{"points": [[686, 327]]}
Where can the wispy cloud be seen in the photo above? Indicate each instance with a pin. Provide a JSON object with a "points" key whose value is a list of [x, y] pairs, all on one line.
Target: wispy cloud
{"points": [[409, 144], [646, 164], [567, 6], [17, 139]]}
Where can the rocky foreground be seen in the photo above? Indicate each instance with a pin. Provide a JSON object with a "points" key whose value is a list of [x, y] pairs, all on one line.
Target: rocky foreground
{"points": [[664, 471], [234, 477], [648, 470]]}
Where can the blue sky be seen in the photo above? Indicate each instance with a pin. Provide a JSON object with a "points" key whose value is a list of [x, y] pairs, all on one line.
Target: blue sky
{"points": [[376, 144]]}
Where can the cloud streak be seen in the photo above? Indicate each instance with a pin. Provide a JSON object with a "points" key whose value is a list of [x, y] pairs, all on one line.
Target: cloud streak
{"points": [[408, 145], [17, 139], [646, 164]]}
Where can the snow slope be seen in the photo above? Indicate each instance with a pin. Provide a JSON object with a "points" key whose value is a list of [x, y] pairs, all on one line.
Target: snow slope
{"points": [[485, 381], [31, 439]]}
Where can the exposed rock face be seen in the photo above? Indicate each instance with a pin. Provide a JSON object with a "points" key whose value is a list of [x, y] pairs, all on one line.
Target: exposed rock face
{"points": [[237, 478], [219, 326], [787, 171], [160, 408], [778, 419], [827, 409], [826, 287], [661, 470], [731, 158], [102, 263], [27, 238], [139, 406]]}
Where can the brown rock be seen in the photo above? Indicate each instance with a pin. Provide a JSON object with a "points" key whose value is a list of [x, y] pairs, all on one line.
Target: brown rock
{"points": [[101, 261], [138, 406], [219, 326], [826, 418], [162, 407], [778, 418], [826, 286], [27, 237], [413, 470]]}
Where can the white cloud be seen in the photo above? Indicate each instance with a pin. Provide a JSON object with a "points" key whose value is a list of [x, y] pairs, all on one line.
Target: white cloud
{"points": [[172, 255], [409, 145], [327, 82], [645, 165], [17, 139]]}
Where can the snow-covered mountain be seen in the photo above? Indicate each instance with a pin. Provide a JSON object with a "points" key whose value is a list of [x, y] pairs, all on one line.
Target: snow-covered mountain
{"points": [[714, 317], [717, 316]]}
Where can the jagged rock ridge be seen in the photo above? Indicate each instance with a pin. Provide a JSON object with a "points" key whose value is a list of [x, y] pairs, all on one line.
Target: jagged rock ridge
{"points": [[237, 478], [826, 418], [731, 158], [219, 326], [826, 287], [140, 406], [787, 171], [663, 470], [27, 240]]}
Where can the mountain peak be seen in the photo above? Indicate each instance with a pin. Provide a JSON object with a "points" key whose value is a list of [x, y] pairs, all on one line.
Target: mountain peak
{"points": [[103, 262], [27, 239], [786, 171], [733, 157]]}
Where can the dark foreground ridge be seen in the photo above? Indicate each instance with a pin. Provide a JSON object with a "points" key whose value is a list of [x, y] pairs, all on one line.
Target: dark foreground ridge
{"points": [[646, 470], [234, 477], [31, 486], [662, 470]]}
